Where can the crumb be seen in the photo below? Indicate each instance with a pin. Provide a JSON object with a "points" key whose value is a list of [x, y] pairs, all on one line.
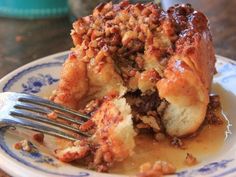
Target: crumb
{"points": [[75, 125], [190, 160], [18, 145], [159, 169], [52, 115], [159, 136], [161, 108], [150, 121], [145, 167], [81, 142], [87, 125], [177, 142], [137, 130], [92, 106], [107, 157], [165, 167], [152, 113], [52, 97], [102, 168], [77, 143], [39, 137], [142, 125], [24, 145], [69, 154]]}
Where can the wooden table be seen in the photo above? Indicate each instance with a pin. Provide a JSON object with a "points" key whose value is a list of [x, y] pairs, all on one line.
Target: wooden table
{"points": [[22, 41]]}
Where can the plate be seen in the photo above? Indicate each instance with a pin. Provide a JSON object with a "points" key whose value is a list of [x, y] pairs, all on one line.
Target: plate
{"points": [[41, 77]]}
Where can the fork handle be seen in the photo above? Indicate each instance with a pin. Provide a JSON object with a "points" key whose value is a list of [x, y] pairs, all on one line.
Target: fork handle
{"points": [[39, 128]]}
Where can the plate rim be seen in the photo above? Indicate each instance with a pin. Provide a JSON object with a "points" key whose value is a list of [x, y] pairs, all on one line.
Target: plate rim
{"points": [[37, 61]]}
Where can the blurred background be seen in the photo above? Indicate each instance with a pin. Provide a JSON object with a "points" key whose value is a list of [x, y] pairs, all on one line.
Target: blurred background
{"points": [[30, 29]]}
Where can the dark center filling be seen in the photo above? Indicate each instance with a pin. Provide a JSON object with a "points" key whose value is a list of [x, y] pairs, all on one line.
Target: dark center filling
{"points": [[144, 108]]}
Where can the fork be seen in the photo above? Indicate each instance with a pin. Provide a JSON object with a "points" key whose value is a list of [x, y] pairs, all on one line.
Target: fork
{"points": [[30, 112]]}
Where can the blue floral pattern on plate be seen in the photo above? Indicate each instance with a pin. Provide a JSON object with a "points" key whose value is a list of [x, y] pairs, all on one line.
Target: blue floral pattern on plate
{"points": [[29, 71], [208, 169], [35, 83], [37, 156]]}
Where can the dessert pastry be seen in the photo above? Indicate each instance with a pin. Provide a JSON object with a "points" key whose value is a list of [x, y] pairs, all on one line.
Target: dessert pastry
{"points": [[146, 69]]}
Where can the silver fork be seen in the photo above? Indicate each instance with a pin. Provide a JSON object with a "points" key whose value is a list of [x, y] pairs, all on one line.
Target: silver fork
{"points": [[30, 112]]}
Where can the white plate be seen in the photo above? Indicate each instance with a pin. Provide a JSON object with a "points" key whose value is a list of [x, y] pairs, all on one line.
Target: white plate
{"points": [[40, 77]]}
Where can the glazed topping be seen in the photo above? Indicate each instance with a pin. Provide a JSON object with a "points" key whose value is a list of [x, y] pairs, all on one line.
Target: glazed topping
{"points": [[187, 20], [137, 37]]}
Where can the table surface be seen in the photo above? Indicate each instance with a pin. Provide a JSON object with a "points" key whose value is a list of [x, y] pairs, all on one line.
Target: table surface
{"points": [[22, 41]]}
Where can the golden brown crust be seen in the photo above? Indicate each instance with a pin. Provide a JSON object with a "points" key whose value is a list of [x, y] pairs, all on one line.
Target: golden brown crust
{"points": [[187, 97], [114, 129], [200, 56], [195, 41], [73, 84], [181, 85], [103, 78], [189, 73]]}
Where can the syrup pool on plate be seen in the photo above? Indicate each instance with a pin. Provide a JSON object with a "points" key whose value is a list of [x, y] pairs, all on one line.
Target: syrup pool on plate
{"points": [[206, 144]]}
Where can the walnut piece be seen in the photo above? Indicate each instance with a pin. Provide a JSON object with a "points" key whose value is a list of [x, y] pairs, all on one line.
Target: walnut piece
{"points": [[159, 169], [24, 145], [190, 160]]}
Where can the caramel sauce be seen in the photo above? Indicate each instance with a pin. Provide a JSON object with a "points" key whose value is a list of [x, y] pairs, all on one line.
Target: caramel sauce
{"points": [[208, 142]]}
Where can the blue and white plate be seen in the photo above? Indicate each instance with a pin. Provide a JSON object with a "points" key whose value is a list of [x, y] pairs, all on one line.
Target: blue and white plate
{"points": [[41, 77]]}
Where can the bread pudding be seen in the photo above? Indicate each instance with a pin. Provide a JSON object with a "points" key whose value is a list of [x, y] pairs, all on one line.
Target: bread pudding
{"points": [[135, 69]]}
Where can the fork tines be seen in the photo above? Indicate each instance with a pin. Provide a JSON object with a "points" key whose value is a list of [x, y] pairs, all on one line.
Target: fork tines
{"points": [[37, 109], [43, 102]]}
